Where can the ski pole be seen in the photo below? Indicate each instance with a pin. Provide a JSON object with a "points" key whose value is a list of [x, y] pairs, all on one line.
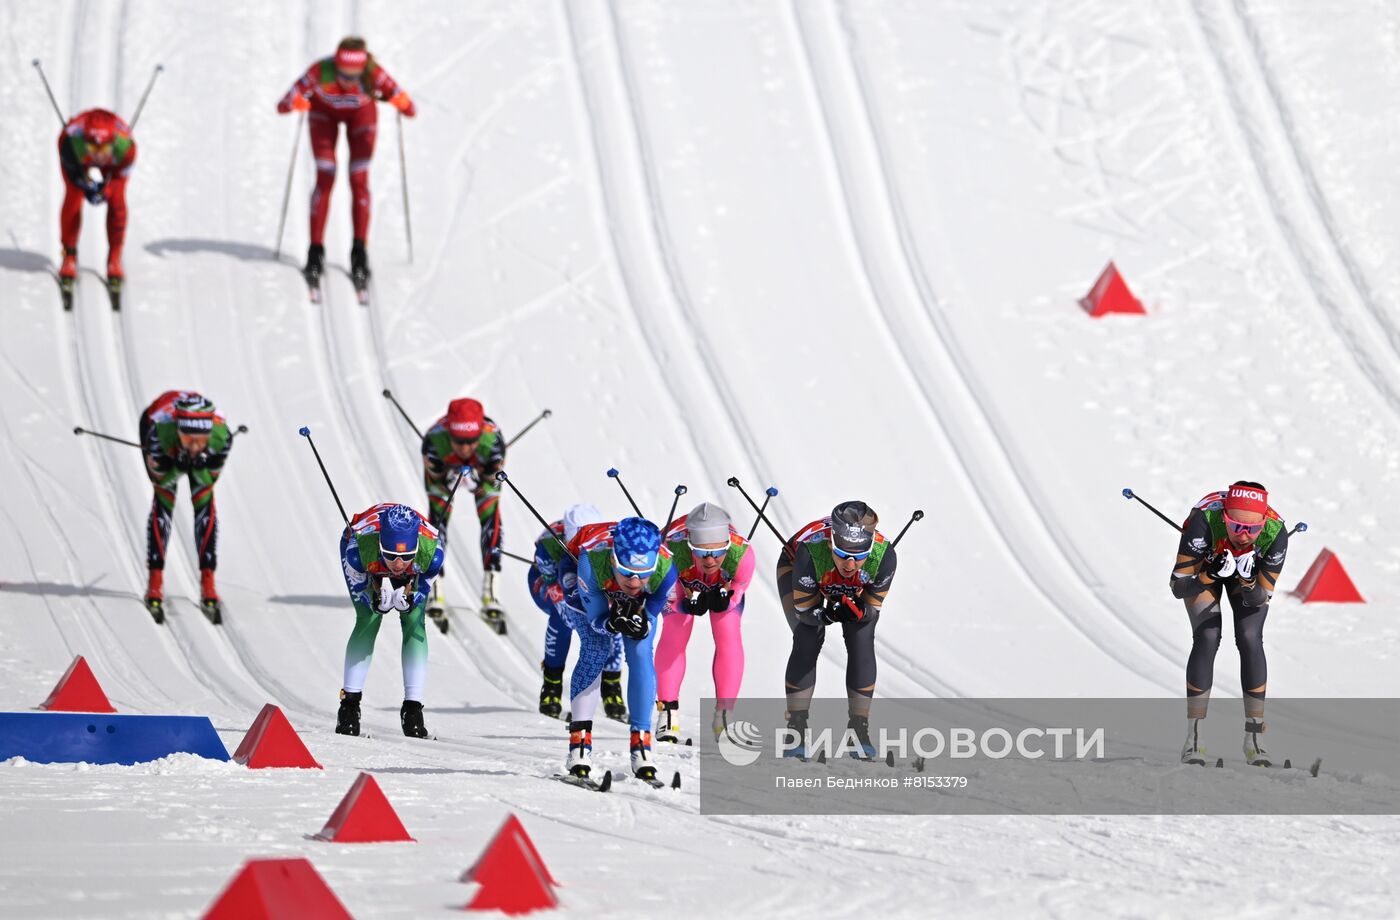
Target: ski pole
{"points": [[502, 477], [1300, 527], [140, 106], [306, 433], [680, 490], [390, 396], [612, 474], [916, 516], [734, 482], [287, 192], [105, 437], [56, 110], [521, 433], [403, 176], [769, 493], [1129, 493]]}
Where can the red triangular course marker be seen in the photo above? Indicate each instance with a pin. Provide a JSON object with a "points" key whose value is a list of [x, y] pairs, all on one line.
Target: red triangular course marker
{"points": [[277, 889], [510, 828], [1327, 581], [272, 742], [1110, 294], [512, 876], [364, 816], [77, 691]]}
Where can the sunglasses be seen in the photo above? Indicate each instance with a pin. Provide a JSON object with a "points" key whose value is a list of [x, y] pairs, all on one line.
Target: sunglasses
{"points": [[397, 557], [463, 442], [624, 572], [701, 553], [1239, 529], [842, 554]]}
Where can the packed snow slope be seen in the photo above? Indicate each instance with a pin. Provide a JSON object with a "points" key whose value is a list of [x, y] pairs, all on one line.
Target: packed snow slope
{"points": [[828, 245]]}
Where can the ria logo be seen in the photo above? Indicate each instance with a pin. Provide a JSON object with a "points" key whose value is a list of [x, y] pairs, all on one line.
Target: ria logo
{"points": [[740, 744]]}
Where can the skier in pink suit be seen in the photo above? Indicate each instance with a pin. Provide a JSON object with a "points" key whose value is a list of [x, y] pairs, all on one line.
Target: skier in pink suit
{"points": [[715, 565]]}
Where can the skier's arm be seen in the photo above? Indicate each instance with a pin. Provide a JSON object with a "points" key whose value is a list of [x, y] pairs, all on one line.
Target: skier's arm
{"points": [[300, 90], [743, 575], [423, 587], [434, 471], [594, 601], [657, 600], [806, 596], [160, 468], [385, 88], [357, 580], [68, 161], [1188, 576], [873, 597], [545, 565], [1267, 569]]}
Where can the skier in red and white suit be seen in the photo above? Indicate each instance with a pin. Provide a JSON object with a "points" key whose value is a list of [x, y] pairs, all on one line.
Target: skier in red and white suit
{"points": [[97, 154], [343, 89]]}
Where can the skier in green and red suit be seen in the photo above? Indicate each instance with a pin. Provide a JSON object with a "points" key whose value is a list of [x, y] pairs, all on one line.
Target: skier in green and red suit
{"points": [[182, 435], [464, 442], [96, 154]]}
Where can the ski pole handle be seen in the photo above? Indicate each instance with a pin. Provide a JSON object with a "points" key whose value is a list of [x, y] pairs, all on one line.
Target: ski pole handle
{"points": [[916, 516], [1129, 493], [502, 477], [680, 490], [140, 106], [1300, 527], [613, 474], [733, 482], [105, 437], [63, 122], [305, 432], [768, 497], [388, 394], [521, 433]]}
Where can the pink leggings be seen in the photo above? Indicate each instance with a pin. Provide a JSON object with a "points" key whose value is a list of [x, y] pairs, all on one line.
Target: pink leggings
{"points": [[729, 655]]}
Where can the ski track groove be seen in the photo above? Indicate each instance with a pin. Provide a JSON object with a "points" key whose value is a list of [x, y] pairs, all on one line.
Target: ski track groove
{"points": [[956, 415]]}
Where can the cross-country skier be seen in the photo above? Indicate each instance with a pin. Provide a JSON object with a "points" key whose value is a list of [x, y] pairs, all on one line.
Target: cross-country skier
{"points": [[97, 154], [465, 442], [714, 565], [1232, 543], [553, 581], [343, 89], [182, 435], [835, 571], [390, 556], [624, 578]]}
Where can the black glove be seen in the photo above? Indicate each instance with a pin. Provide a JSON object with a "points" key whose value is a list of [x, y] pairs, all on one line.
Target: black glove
{"points": [[1219, 565], [718, 598], [632, 623], [696, 603], [93, 191], [183, 462], [839, 610]]}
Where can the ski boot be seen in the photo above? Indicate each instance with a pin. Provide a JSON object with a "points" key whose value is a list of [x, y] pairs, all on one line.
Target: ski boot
{"points": [[861, 726], [209, 598], [720, 723], [68, 276], [155, 594], [580, 762], [411, 717], [614, 707], [552, 692], [797, 728], [359, 269], [643, 767], [668, 721], [115, 277], [347, 719], [1254, 753], [315, 266], [437, 610], [491, 610], [1192, 752]]}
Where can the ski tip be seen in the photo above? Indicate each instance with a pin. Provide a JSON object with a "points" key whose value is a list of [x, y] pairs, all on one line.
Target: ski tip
{"points": [[889, 759], [1287, 764], [1316, 765], [1219, 762], [821, 757], [676, 780], [606, 782], [919, 764], [689, 742]]}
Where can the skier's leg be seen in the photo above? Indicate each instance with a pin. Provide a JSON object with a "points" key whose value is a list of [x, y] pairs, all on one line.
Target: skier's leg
{"points": [[801, 676], [361, 130], [585, 682], [116, 224], [1204, 614], [414, 653], [70, 221], [324, 130], [1254, 667], [670, 654], [641, 681], [557, 633], [488, 513], [729, 655], [359, 651], [206, 525], [158, 527], [860, 664]]}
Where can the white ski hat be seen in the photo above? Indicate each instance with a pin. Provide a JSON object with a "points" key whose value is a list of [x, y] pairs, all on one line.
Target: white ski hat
{"points": [[575, 516], [707, 523]]}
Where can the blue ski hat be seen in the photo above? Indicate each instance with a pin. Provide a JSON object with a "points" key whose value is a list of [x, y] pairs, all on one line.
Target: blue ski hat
{"points": [[398, 530], [636, 543]]}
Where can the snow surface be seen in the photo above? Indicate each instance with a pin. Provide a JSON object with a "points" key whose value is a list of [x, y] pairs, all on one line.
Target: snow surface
{"points": [[831, 245]]}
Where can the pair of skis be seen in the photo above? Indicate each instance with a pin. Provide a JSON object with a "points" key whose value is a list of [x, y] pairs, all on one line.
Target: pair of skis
{"points": [[114, 292], [360, 279], [605, 784], [212, 609]]}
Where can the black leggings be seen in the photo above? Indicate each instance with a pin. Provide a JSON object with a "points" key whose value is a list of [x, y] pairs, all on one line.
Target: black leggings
{"points": [[807, 642], [1206, 625]]}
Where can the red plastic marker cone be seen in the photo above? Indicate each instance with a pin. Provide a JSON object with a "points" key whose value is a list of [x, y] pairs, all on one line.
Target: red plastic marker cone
{"points": [[484, 865], [1327, 581], [277, 889], [512, 876], [77, 691], [364, 816], [1110, 294], [272, 742]]}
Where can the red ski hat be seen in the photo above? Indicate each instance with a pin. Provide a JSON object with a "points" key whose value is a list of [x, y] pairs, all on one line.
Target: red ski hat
{"points": [[465, 419], [348, 59], [1246, 497]]}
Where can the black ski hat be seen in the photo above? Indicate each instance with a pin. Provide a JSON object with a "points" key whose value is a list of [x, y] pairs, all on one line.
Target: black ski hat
{"points": [[853, 526]]}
